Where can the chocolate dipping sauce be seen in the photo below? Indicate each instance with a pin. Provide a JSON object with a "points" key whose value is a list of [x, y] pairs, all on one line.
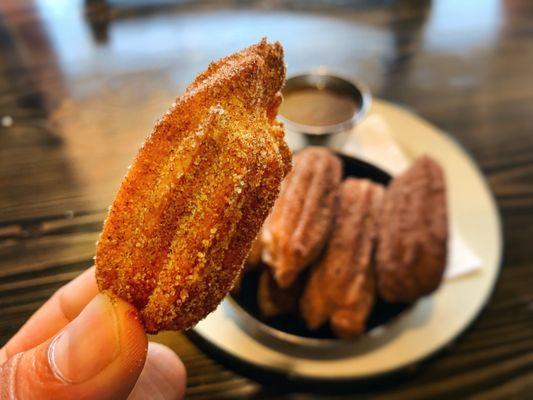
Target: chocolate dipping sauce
{"points": [[317, 107]]}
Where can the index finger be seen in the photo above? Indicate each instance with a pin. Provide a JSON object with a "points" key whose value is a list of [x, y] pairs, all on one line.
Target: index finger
{"points": [[58, 311]]}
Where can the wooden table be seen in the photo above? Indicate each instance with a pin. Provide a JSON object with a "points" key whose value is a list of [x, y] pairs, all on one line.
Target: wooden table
{"points": [[81, 85]]}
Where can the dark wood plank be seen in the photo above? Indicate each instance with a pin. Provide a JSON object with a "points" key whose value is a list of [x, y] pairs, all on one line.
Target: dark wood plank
{"points": [[82, 88]]}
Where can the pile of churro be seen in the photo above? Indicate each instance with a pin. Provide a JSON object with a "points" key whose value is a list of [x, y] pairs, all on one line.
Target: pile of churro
{"points": [[332, 247]]}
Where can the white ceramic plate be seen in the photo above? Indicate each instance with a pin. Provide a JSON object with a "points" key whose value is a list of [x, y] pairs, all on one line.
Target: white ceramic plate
{"points": [[432, 322]]}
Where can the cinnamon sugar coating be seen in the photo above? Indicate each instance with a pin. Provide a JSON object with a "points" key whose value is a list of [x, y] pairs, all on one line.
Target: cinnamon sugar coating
{"points": [[413, 234], [341, 287], [254, 257], [253, 261], [197, 193], [296, 231]]}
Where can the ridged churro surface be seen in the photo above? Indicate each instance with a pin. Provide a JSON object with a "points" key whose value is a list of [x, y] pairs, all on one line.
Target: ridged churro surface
{"points": [[296, 231], [413, 233], [253, 261], [192, 202], [341, 288], [254, 257]]}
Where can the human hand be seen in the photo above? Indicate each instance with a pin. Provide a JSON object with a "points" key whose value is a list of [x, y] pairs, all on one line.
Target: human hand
{"points": [[82, 344]]}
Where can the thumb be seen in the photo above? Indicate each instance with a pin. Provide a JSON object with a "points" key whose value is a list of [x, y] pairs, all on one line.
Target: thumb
{"points": [[99, 355]]}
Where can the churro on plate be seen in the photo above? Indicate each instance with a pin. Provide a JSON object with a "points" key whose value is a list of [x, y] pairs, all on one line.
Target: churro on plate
{"points": [[297, 229], [413, 234], [341, 287]]}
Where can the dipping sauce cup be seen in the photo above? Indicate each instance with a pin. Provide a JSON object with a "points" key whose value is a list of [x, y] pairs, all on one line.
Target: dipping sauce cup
{"points": [[320, 108]]}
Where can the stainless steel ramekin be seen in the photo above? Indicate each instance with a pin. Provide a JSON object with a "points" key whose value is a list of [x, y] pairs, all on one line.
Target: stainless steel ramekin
{"points": [[333, 136]]}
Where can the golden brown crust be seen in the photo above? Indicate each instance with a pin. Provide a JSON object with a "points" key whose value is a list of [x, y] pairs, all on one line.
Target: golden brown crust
{"points": [[296, 231], [254, 258], [197, 193], [252, 262], [413, 233], [341, 288]]}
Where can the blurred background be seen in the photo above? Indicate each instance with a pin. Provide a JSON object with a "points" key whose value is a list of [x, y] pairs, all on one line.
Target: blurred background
{"points": [[82, 82]]}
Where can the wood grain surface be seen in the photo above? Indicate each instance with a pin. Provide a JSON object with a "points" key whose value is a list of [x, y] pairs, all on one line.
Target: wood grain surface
{"points": [[81, 84]]}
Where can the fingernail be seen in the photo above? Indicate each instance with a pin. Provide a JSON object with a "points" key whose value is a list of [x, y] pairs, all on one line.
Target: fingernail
{"points": [[88, 344]]}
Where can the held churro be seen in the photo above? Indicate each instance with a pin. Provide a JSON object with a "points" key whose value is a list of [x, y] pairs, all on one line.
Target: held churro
{"points": [[253, 261], [194, 199]]}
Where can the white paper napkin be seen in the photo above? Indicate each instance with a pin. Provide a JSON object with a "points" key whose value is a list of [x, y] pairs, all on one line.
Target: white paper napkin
{"points": [[373, 141]]}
